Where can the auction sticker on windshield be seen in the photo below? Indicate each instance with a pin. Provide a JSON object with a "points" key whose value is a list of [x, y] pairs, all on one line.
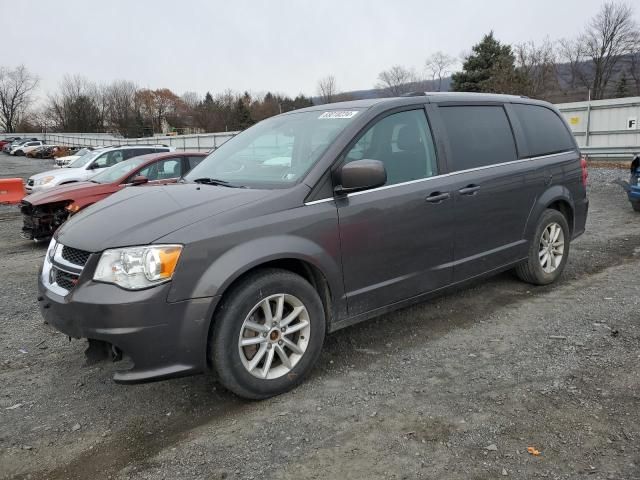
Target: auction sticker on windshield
{"points": [[339, 114]]}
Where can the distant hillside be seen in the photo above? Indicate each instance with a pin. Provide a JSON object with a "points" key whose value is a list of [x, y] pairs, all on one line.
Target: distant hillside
{"points": [[565, 92]]}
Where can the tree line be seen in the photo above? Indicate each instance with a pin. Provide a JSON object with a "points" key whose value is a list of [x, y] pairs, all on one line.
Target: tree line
{"points": [[602, 61]]}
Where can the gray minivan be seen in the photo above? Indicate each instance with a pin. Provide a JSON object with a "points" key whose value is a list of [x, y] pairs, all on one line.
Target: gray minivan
{"points": [[311, 221]]}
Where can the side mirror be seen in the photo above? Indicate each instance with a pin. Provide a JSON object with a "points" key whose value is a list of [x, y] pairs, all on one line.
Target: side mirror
{"points": [[139, 180], [361, 175]]}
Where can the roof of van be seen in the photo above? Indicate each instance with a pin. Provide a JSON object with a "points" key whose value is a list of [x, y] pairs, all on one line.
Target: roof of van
{"points": [[431, 96]]}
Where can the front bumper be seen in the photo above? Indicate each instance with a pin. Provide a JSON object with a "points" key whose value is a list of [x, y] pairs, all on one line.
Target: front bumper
{"points": [[634, 193], [162, 339]]}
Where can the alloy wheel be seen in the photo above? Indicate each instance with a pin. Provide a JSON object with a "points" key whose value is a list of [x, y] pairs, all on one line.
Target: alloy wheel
{"points": [[551, 248], [274, 336]]}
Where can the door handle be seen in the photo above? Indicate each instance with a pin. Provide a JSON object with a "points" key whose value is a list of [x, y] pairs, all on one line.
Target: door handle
{"points": [[437, 197], [469, 190]]}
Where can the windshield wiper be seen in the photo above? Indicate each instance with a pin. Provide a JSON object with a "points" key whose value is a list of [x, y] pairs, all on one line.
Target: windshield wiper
{"points": [[218, 182]]}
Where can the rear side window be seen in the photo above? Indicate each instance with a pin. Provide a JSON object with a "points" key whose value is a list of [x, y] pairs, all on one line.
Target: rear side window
{"points": [[479, 136], [544, 131]]}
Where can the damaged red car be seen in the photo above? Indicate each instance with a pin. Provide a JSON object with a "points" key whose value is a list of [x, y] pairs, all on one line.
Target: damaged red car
{"points": [[43, 212]]}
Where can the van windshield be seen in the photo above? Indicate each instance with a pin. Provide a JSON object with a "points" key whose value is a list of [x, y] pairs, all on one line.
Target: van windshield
{"points": [[275, 153]]}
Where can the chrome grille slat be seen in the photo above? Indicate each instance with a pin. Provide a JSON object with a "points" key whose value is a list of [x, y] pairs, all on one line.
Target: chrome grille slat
{"points": [[75, 256]]}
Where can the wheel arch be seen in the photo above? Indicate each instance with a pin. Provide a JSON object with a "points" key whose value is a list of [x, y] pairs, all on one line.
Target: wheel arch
{"points": [[299, 266], [557, 198]]}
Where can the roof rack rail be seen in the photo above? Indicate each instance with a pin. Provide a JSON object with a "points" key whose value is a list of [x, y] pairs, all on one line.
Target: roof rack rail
{"points": [[414, 94]]}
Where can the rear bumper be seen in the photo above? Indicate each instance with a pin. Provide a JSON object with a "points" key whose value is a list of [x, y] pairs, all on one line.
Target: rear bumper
{"points": [[581, 210], [162, 339]]}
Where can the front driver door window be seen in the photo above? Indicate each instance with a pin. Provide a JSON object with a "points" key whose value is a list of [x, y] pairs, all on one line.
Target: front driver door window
{"points": [[168, 169]]}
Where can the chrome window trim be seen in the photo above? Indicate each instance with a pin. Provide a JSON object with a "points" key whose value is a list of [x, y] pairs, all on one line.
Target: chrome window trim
{"points": [[323, 200], [459, 172]]}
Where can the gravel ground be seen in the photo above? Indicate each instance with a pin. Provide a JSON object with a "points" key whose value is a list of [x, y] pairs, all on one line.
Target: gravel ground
{"points": [[456, 388]]}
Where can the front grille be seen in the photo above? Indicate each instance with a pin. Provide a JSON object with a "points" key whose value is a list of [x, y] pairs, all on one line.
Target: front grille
{"points": [[66, 280], [75, 256]]}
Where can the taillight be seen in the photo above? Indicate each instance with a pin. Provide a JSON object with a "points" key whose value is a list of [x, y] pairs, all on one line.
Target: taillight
{"points": [[583, 167]]}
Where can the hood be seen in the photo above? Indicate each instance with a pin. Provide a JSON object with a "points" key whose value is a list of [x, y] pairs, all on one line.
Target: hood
{"points": [[73, 191], [139, 216], [70, 173]]}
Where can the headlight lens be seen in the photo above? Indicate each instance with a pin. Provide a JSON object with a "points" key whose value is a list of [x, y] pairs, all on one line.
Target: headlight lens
{"points": [[134, 268], [72, 207], [52, 249], [44, 180]]}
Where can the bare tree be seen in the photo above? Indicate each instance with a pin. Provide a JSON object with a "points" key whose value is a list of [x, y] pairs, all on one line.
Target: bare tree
{"points": [[571, 53], [608, 38], [16, 94], [396, 81], [537, 66], [327, 89], [123, 111], [77, 106], [438, 65], [634, 70]]}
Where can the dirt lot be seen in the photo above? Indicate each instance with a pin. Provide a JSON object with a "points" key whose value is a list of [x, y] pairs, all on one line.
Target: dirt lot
{"points": [[455, 389]]}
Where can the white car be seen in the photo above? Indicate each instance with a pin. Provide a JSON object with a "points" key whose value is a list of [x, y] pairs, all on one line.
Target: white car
{"points": [[64, 161], [88, 165], [19, 150]]}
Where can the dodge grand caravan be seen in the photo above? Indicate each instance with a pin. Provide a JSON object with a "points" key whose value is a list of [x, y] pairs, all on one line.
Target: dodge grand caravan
{"points": [[311, 221]]}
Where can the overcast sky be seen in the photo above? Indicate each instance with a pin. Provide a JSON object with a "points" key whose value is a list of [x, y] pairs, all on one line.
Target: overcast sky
{"points": [[283, 46]]}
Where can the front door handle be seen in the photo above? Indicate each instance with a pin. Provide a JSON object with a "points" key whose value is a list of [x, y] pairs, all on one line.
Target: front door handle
{"points": [[469, 190], [437, 197]]}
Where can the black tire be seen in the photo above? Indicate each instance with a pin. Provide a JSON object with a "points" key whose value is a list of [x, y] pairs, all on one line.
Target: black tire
{"points": [[236, 305], [635, 206], [19, 153], [531, 270]]}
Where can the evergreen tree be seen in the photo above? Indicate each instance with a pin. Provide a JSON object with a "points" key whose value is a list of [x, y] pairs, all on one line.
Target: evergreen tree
{"points": [[622, 89], [241, 115], [489, 68]]}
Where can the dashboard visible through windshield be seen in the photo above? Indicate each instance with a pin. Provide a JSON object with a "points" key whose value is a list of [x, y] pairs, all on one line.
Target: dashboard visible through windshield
{"points": [[276, 152]]}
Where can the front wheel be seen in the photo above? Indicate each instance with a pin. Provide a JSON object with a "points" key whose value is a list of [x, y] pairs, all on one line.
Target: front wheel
{"points": [[548, 251], [636, 206], [268, 334]]}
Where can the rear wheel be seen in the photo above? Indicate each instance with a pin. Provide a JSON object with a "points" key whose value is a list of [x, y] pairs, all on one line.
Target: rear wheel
{"points": [[268, 334], [548, 250]]}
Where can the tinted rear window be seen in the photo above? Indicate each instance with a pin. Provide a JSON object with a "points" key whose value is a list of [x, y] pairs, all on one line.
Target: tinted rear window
{"points": [[544, 131], [478, 135]]}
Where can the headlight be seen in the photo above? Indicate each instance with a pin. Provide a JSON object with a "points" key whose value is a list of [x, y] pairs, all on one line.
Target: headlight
{"points": [[134, 268], [72, 207], [44, 180], [52, 249]]}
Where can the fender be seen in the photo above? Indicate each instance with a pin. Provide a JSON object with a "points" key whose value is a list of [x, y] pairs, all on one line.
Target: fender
{"points": [[551, 195], [233, 263]]}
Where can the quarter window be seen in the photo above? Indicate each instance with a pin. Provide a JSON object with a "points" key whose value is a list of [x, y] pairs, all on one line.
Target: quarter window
{"points": [[544, 131], [479, 136], [403, 142]]}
